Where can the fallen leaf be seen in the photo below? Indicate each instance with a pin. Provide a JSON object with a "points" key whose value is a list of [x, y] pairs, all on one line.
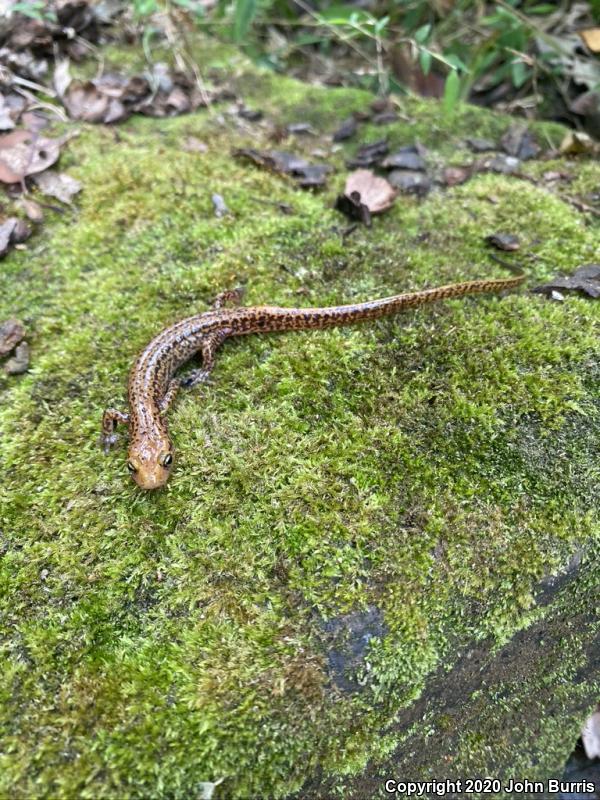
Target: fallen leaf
{"points": [[301, 129], [385, 118], [369, 154], [286, 162], [454, 176], [58, 184], [365, 194], [114, 97], [481, 145], [585, 279], [410, 181], [375, 192], [12, 332], [380, 105], [251, 114], [351, 206], [34, 121], [505, 165], [518, 141], [591, 39], [305, 174], [503, 241], [405, 158], [25, 153], [88, 102], [19, 363], [346, 130]]}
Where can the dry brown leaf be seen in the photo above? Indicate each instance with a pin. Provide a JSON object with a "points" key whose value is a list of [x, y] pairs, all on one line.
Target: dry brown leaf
{"points": [[58, 185], [25, 153], [87, 102], [585, 279], [375, 193], [308, 176], [591, 39], [19, 363], [11, 333]]}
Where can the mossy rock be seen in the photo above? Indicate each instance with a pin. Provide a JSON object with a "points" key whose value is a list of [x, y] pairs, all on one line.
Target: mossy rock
{"points": [[377, 556]]}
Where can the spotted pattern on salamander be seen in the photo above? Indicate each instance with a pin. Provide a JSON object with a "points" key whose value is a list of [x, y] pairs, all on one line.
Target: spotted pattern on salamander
{"points": [[152, 386]]}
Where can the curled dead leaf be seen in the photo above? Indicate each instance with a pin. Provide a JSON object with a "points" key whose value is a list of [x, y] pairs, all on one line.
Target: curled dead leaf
{"points": [[346, 130], [519, 141], [19, 363], [585, 279], [25, 153], [375, 192], [405, 158], [307, 175], [12, 332], [454, 176], [504, 241], [365, 194], [410, 181], [369, 154], [58, 184]]}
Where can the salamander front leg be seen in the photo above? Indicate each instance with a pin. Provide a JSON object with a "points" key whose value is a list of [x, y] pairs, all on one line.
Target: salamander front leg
{"points": [[233, 296], [170, 395], [210, 345], [110, 419]]}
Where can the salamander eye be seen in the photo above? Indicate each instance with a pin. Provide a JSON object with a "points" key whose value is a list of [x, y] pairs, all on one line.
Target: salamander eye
{"points": [[131, 467], [167, 460]]}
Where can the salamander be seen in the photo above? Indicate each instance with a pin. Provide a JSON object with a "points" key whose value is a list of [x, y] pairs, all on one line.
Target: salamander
{"points": [[153, 384]]}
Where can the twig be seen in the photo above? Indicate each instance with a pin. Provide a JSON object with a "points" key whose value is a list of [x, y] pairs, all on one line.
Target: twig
{"points": [[516, 269]]}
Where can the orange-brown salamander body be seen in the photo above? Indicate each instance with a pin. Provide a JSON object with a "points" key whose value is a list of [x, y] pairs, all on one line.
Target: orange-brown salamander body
{"points": [[153, 385]]}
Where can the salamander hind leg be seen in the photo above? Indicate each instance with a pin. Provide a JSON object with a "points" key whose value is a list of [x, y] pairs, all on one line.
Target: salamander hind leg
{"points": [[233, 296], [110, 420], [210, 345]]}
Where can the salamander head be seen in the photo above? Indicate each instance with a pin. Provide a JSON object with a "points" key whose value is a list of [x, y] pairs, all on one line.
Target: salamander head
{"points": [[150, 460]]}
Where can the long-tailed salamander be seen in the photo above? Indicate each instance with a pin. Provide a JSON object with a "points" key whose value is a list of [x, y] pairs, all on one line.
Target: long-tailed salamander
{"points": [[152, 383]]}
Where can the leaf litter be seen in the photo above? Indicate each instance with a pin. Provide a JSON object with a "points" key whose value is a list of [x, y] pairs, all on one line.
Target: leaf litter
{"points": [[586, 279], [58, 184], [306, 175], [365, 194]]}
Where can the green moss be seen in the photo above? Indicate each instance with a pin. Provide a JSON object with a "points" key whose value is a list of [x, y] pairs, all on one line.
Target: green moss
{"points": [[437, 466]]}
